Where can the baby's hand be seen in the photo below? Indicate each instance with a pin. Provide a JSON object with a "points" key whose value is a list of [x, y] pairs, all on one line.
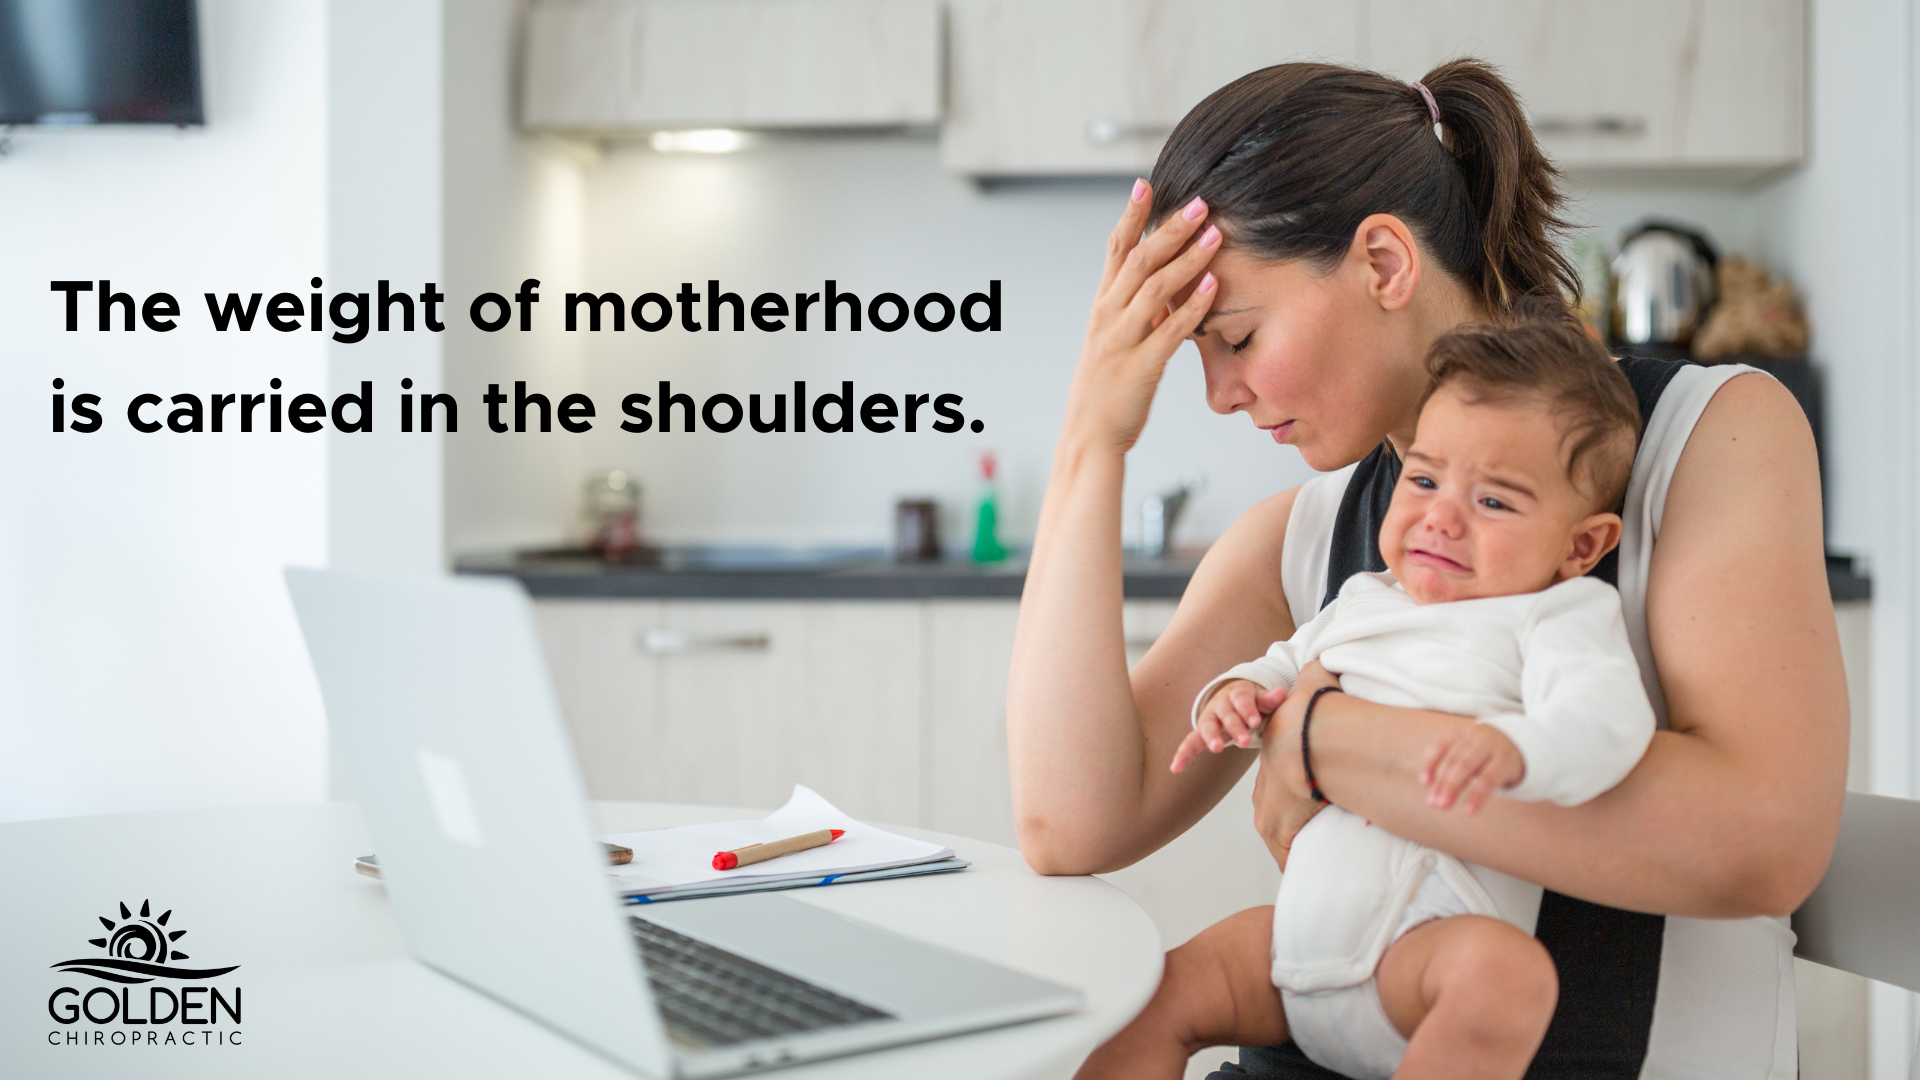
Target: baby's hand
{"points": [[1470, 766], [1235, 711]]}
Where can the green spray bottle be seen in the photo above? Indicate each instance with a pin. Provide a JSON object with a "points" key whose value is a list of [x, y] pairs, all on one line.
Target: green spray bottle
{"points": [[986, 526]]}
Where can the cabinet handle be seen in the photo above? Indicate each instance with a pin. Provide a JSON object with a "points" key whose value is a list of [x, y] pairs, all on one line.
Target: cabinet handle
{"points": [[1625, 127], [1108, 132], [668, 642]]}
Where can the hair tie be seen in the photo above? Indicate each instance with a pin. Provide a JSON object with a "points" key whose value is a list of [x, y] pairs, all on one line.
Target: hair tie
{"points": [[1433, 109]]}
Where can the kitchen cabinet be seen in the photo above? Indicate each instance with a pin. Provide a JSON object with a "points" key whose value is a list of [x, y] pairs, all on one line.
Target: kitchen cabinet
{"points": [[610, 65], [1716, 86], [969, 646], [1063, 87], [896, 710], [734, 703]]}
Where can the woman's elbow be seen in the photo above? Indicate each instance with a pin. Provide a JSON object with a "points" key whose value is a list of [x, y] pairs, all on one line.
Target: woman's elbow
{"points": [[1773, 877], [1052, 852], [1774, 890], [1798, 876]]}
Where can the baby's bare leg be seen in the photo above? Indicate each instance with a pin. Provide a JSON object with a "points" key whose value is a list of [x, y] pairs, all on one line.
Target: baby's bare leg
{"points": [[1472, 994], [1217, 990]]}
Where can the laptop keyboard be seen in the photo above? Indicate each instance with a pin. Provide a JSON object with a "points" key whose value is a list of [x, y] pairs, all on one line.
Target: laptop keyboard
{"points": [[713, 997]]}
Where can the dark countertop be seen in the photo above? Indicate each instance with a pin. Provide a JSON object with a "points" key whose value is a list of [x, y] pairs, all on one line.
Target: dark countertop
{"points": [[856, 578], [1845, 582], [870, 578]]}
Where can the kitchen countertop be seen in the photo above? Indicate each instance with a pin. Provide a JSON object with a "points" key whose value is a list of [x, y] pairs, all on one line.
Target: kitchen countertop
{"points": [[869, 578], [583, 577], [1845, 582]]}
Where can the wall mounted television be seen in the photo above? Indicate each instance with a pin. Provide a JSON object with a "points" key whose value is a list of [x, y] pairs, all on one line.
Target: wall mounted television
{"points": [[99, 62]]}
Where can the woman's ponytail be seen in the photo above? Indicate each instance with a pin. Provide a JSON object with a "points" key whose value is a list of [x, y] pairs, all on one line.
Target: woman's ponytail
{"points": [[1514, 189], [1292, 158]]}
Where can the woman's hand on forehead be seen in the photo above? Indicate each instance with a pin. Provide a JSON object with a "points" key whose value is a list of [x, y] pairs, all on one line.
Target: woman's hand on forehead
{"points": [[1154, 289]]}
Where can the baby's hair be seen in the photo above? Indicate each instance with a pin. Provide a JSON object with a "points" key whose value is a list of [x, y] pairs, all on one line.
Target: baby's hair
{"points": [[1542, 354]]}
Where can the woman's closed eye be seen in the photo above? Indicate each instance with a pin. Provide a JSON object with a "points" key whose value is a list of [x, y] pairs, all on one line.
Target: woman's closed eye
{"points": [[1242, 343]]}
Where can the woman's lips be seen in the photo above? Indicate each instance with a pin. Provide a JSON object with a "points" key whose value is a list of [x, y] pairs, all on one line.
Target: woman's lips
{"points": [[1280, 431]]}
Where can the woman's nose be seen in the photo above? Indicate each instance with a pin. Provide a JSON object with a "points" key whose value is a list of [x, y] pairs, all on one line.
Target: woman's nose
{"points": [[1225, 392]]}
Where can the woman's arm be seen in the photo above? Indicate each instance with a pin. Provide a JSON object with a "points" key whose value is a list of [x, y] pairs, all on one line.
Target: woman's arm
{"points": [[1733, 812], [1090, 745]]}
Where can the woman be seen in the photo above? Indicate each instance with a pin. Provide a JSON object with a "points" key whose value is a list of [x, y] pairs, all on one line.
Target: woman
{"points": [[1314, 229]]}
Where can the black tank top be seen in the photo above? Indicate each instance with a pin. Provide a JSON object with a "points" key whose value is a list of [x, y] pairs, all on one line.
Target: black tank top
{"points": [[1608, 959]]}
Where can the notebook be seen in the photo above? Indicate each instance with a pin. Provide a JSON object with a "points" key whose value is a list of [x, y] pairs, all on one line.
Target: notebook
{"points": [[672, 863]]}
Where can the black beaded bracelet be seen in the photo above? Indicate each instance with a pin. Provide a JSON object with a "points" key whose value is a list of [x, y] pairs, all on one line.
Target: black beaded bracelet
{"points": [[1306, 757]]}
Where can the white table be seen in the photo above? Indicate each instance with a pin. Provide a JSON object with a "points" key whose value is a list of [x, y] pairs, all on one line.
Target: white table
{"points": [[329, 990]]}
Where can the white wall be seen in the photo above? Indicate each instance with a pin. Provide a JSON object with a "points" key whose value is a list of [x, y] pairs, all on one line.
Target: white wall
{"points": [[384, 188], [1729, 217], [1841, 226], [514, 208], [875, 214], [148, 654]]}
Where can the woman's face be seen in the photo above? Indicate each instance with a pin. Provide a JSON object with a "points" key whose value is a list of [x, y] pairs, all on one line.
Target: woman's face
{"points": [[1311, 358]]}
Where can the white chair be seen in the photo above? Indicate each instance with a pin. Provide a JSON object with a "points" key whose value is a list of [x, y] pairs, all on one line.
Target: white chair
{"points": [[1865, 915]]}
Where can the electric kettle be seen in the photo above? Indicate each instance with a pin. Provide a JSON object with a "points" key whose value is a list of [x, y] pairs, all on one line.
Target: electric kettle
{"points": [[1663, 285]]}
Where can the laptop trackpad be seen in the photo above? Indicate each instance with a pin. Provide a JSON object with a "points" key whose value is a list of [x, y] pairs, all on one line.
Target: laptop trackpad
{"points": [[907, 978]]}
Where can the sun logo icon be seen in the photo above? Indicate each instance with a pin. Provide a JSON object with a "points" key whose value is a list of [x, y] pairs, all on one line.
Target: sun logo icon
{"points": [[138, 939], [139, 949]]}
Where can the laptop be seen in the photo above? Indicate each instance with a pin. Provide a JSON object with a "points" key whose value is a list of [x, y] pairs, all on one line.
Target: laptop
{"points": [[448, 732]]}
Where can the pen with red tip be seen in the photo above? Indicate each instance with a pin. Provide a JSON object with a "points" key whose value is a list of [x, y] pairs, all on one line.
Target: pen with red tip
{"points": [[753, 853]]}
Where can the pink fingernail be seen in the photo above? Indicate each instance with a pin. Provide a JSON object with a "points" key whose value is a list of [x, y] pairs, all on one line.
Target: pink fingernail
{"points": [[1194, 209], [1139, 190], [1210, 237], [1206, 283]]}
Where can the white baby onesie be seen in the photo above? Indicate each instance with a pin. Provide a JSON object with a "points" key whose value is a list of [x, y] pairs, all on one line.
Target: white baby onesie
{"points": [[1553, 670]]}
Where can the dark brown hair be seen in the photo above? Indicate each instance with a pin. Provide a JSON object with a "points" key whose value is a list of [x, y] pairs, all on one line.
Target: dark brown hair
{"points": [[1292, 158], [1542, 354]]}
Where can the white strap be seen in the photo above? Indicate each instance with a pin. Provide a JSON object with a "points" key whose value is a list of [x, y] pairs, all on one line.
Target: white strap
{"points": [[1309, 543]]}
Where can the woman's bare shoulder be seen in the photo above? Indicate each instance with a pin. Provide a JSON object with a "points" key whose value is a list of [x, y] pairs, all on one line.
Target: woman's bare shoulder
{"points": [[1749, 459], [1247, 555]]}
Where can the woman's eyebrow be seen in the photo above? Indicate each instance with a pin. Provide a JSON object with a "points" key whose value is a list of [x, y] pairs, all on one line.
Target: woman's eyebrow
{"points": [[1200, 331]]}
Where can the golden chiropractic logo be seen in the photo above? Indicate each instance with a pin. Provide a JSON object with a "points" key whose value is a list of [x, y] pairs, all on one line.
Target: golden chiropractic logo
{"points": [[138, 950]]}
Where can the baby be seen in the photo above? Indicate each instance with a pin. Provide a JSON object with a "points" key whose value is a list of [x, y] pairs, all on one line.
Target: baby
{"points": [[1391, 958]]}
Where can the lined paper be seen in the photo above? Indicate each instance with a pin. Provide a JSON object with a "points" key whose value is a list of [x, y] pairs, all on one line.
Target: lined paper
{"points": [[667, 860]]}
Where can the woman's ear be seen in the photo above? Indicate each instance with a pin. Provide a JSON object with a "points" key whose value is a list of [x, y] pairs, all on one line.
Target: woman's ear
{"points": [[1592, 539], [1388, 260]]}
